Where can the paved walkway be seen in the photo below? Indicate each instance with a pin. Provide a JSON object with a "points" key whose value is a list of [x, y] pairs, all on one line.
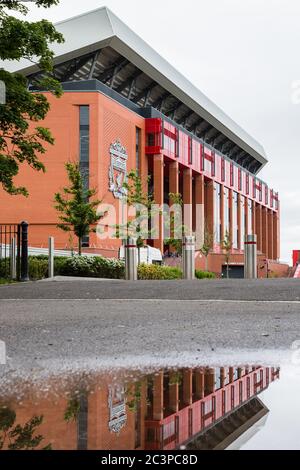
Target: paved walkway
{"points": [[286, 290]]}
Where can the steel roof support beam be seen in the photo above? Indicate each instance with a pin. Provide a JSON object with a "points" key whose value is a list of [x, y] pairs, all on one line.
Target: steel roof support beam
{"points": [[241, 157], [129, 80], [75, 66], [112, 70], [203, 129], [158, 104], [184, 118], [226, 146], [94, 63], [144, 92]]}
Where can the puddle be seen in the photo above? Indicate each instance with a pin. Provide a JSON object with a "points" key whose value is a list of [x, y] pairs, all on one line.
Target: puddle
{"points": [[246, 407]]}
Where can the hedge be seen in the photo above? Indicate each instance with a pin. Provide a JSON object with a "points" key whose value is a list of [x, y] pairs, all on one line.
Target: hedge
{"points": [[204, 274], [156, 272], [94, 266], [97, 267], [78, 266]]}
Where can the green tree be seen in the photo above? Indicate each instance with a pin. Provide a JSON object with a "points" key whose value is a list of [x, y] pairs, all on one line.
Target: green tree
{"points": [[142, 201], [21, 140], [78, 212], [72, 410], [226, 245], [19, 437], [207, 247], [176, 223]]}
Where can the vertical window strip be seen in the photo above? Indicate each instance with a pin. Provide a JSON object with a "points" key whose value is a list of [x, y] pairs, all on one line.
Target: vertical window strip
{"points": [[138, 149], [213, 164]]}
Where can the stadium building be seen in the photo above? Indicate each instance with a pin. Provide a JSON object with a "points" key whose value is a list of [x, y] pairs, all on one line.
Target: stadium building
{"points": [[125, 107]]}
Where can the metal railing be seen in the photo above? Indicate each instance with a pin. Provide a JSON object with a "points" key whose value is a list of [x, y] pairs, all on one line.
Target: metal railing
{"points": [[14, 251]]}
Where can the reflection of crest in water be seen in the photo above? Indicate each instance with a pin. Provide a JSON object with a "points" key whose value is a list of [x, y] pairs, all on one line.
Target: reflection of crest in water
{"points": [[117, 409]]}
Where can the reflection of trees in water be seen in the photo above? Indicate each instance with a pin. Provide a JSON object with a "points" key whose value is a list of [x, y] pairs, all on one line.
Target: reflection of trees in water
{"points": [[17, 437]]}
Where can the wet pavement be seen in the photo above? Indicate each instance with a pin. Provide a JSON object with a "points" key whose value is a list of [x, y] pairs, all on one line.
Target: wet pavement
{"points": [[197, 408], [194, 366]]}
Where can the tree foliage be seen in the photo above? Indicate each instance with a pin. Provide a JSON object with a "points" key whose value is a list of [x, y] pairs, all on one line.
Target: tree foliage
{"points": [[142, 202], [17, 437], [21, 139], [78, 212], [176, 225], [208, 243], [227, 247]]}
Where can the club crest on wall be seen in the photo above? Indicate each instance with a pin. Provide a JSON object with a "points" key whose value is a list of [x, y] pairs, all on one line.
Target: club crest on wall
{"points": [[118, 169]]}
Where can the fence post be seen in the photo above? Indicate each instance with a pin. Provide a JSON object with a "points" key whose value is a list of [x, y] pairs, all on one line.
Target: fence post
{"points": [[251, 257], [188, 258], [13, 258], [51, 258], [24, 252], [131, 260]]}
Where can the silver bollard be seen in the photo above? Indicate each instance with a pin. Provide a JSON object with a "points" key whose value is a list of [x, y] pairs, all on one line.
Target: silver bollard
{"points": [[250, 257], [13, 259], [131, 260], [51, 258], [188, 258]]}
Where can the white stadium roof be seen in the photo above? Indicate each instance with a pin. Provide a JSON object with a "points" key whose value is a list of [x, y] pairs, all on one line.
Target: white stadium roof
{"points": [[99, 45]]}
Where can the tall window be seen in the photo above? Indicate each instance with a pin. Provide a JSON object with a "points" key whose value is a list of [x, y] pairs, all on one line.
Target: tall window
{"points": [[82, 424], [254, 188], [84, 151], [226, 210], [267, 195], [138, 149], [240, 179], [202, 158], [213, 164], [231, 174], [223, 176], [235, 220], [250, 217], [243, 214], [217, 212]]}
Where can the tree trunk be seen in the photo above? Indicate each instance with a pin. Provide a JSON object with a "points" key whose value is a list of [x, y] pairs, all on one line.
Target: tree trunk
{"points": [[79, 245], [206, 263], [227, 270]]}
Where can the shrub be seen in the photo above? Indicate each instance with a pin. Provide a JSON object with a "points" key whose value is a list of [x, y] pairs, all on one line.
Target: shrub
{"points": [[204, 275], [94, 266], [38, 267], [5, 268], [155, 272]]}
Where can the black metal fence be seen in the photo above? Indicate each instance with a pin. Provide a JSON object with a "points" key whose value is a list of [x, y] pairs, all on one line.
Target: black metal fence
{"points": [[14, 251]]}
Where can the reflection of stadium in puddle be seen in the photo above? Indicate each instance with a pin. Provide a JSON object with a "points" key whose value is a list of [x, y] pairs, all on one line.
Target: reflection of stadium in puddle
{"points": [[199, 408]]}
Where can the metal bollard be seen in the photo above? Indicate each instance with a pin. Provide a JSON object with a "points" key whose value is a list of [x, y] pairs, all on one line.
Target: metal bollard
{"points": [[131, 260], [13, 258], [188, 258], [250, 257], [24, 252], [51, 258]]}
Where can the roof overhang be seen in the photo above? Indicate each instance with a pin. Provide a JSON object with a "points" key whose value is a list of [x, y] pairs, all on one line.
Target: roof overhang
{"points": [[99, 29]]}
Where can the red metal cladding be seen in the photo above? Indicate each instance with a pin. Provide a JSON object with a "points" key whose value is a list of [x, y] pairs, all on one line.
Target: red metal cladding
{"points": [[174, 143]]}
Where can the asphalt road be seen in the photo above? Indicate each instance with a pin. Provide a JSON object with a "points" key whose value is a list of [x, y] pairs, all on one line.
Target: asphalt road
{"points": [[240, 289], [103, 322]]}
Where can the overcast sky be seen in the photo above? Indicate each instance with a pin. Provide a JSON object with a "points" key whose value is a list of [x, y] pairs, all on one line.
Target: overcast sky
{"points": [[244, 55]]}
